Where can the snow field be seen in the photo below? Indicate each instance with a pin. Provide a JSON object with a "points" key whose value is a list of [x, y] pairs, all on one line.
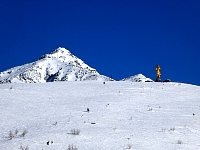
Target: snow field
{"points": [[123, 115]]}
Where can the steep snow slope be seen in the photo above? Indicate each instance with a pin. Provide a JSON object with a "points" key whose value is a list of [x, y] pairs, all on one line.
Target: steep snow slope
{"points": [[143, 116], [138, 78], [60, 65]]}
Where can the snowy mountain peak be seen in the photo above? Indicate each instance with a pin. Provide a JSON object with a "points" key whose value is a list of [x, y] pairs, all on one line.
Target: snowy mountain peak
{"points": [[138, 78], [59, 65], [61, 51]]}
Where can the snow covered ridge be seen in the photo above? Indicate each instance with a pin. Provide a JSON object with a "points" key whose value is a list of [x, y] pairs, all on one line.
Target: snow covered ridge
{"points": [[60, 65], [138, 78]]}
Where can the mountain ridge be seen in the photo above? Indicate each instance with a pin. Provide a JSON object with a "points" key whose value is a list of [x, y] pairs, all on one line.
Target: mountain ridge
{"points": [[58, 65]]}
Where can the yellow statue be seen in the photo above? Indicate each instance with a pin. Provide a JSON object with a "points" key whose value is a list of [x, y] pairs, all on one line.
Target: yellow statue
{"points": [[158, 74]]}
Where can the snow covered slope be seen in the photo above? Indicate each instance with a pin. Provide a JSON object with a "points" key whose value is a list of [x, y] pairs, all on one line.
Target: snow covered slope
{"points": [[59, 65], [138, 78], [123, 115]]}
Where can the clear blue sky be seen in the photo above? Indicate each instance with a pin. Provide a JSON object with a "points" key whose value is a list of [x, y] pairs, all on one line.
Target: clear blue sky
{"points": [[117, 37]]}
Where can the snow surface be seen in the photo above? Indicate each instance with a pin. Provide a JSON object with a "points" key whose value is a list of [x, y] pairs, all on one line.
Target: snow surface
{"points": [[140, 116]]}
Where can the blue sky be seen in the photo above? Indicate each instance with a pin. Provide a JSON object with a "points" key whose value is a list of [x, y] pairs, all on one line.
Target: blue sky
{"points": [[118, 38]]}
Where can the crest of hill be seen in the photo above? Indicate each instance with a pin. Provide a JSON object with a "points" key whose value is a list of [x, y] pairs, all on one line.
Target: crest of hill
{"points": [[138, 78]]}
